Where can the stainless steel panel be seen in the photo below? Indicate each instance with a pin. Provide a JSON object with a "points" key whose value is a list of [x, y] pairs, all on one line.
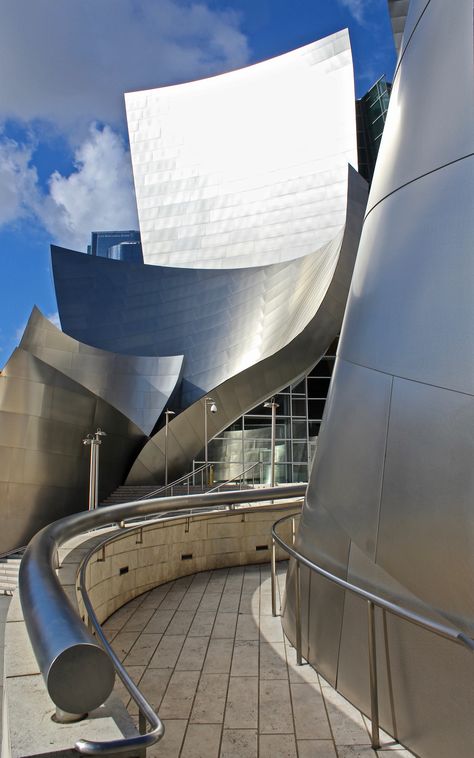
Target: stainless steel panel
{"points": [[430, 121], [139, 387], [411, 308], [426, 512], [293, 337], [398, 13], [246, 168], [44, 467], [425, 683], [351, 452]]}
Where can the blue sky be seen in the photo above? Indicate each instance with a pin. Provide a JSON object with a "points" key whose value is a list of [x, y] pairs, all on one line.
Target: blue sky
{"points": [[64, 161]]}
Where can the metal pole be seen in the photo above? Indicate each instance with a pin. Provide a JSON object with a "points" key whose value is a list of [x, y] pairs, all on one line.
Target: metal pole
{"points": [[374, 699], [273, 443], [299, 658], [274, 613], [168, 413], [95, 445], [293, 530], [91, 477], [205, 434]]}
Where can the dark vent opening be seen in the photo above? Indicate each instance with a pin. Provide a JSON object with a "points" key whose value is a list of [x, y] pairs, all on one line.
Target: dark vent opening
{"points": [[186, 556], [123, 570], [261, 547]]}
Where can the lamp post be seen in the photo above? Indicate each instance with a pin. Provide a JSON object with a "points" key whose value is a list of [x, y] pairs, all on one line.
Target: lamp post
{"points": [[273, 405], [168, 413], [94, 441], [209, 404]]}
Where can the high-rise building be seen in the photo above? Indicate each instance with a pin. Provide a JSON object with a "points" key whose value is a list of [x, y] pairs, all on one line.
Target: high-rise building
{"points": [[371, 113], [118, 245]]}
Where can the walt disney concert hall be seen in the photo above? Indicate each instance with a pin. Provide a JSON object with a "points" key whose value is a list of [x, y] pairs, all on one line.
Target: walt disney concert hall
{"points": [[171, 622]]}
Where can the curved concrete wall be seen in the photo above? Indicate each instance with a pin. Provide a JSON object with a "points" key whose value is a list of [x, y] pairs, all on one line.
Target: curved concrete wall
{"points": [[247, 168], [390, 499]]}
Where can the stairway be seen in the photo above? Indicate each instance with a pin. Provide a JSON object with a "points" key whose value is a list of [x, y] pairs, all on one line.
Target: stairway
{"points": [[130, 492], [9, 567]]}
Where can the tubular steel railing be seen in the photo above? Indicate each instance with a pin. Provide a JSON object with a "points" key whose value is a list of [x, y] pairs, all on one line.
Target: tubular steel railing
{"points": [[169, 488], [455, 635], [240, 476], [78, 671]]}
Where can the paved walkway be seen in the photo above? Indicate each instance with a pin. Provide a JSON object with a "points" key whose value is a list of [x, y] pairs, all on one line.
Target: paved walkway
{"points": [[208, 655]]}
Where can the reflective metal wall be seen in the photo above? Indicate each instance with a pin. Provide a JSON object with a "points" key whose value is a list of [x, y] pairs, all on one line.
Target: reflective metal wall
{"points": [[247, 168], [53, 392], [390, 498]]}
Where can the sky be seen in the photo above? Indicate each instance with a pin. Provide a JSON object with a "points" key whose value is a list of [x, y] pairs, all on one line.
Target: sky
{"points": [[65, 166]]}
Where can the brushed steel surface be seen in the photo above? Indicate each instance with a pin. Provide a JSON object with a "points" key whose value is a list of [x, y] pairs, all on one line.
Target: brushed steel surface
{"points": [[409, 325], [304, 322], [430, 121], [249, 167], [137, 386], [44, 467], [398, 14]]}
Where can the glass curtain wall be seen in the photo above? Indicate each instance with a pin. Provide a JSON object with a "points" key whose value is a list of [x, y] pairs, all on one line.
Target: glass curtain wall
{"points": [[246, 444]]}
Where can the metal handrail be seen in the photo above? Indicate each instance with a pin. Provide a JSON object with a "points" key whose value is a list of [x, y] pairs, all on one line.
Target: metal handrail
{"points": [[78, 673], [164, 489], [455, 635], [237, 476], [145, 710]]}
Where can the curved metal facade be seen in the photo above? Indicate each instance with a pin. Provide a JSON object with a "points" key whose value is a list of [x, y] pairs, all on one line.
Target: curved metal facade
{"points": [[248, 168], [390, 498], [53, 391], [222, 321]]}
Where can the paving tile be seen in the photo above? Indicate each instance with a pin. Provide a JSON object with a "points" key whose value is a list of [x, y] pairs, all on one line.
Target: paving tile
{"points": [[202, 741], [219, 657], [167, 652], [155, 597], [190, 601], [170, 744], [224, 625], [210, 602], [347, 725], [230, 602], [277, 746], [309, 713], [153, 685], [124, 642], [192, 654], [138, 620], [275, 707], [180, 622], [245, 658], [202, 624], [179, 696], [316, 749], [210, 700], [304, 673], [200, 580], [242, 703], [250, 603], [159, 622], [239, 743], [273, 660], [271, 629], [172, 599], [142, 650], [247, 627]]}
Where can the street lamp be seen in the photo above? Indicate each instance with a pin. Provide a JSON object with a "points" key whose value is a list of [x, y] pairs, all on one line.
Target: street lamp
{"points": [[273, 405], [168, 413], [94, 441], [210, 405]]}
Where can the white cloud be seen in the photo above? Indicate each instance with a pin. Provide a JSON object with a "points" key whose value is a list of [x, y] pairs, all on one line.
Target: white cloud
{"points": [[97, 195], [18, 180], [70, 62], [356, 7]]}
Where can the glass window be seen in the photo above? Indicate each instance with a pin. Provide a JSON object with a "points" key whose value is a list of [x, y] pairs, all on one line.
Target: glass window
{"points": [[299, 407]]}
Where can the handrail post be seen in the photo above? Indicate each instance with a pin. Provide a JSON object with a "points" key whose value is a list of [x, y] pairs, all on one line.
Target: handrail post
{"points": [[299, 657], [273, 573], [293, 530], [374, 700], [141, 722]]}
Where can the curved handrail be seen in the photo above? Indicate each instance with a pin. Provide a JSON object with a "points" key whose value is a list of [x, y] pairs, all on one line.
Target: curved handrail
{"points": [[77, 671], [449, 633], [416, 618], [165, 487], [237, 476]]}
